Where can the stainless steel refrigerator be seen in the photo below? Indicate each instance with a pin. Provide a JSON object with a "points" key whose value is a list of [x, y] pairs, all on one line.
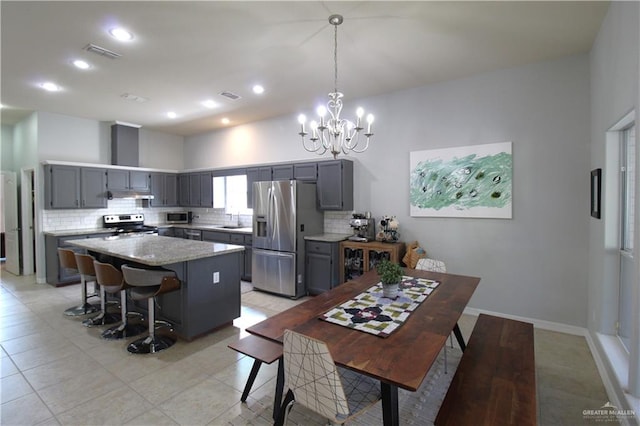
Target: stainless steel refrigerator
{"points": [[283, 213]]}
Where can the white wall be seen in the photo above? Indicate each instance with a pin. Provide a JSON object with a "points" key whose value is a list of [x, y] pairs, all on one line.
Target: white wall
{"points": [[6, 148], [533, 265], [160, 150], [615, 91], [66, 138]]}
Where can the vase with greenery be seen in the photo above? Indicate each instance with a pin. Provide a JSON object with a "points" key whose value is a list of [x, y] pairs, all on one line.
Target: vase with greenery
{"points": [[390, 274]]}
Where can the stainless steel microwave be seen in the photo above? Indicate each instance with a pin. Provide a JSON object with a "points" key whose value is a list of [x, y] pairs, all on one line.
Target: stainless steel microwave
{"points": [[178, 217]]}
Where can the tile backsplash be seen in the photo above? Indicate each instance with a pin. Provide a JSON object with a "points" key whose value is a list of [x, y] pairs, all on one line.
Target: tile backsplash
{"points": [[62, 220]]}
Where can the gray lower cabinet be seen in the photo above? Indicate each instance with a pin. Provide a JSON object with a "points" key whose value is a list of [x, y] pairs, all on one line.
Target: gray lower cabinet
{"points": [[200, 305], [164, 188], [166, 231], [72, 187], [322, 266], [238, 239], [216, 236], [335, 185], [57, 275]]}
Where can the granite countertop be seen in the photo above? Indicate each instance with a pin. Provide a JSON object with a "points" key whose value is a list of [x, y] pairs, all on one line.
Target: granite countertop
{"points": [[204, 227], [71, 232], [154, 250], [328, 237]]}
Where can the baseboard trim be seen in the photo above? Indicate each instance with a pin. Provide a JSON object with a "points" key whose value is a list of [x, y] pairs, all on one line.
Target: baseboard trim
{"points": [[537, 323]]}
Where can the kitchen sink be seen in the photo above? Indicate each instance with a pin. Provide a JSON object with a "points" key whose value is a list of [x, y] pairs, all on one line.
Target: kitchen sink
{"points": [[232, 226]]}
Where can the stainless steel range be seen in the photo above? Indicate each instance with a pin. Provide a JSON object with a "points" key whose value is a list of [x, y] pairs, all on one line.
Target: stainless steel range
{"points": [[127, 224]]}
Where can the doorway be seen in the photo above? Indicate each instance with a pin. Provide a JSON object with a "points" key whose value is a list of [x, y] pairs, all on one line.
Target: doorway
{"points": [[9, 222]]}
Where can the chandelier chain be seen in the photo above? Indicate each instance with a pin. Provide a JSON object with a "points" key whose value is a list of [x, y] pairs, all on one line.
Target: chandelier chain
{"points": [[335, 57]]}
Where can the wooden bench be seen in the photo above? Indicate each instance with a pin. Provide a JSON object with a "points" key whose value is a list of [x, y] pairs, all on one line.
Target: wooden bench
{"points": [[262, 351], [495, 381]]}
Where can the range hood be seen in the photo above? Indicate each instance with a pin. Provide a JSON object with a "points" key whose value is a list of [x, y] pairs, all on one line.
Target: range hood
{"points": [[129, 195], [124, 152]]}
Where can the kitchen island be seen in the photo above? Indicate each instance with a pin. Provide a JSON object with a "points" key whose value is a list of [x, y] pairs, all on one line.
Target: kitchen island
{"points": [[209, 296]]}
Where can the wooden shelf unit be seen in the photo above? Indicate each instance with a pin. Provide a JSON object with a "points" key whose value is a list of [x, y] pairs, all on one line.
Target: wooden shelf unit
{"points": [[356, 258]]}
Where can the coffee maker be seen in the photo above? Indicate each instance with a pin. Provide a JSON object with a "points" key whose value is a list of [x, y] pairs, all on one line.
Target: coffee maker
{"points": [[363, 226]]}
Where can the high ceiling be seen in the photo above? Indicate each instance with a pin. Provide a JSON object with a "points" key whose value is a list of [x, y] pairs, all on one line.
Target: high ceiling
{"points": [[186, 52]]}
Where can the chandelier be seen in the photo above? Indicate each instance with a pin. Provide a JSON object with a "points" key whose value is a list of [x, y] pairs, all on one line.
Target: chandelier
{"points": [[333, 133]]}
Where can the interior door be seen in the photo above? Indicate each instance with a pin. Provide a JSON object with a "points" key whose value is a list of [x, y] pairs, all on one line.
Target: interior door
{"points": [[10, 216]]}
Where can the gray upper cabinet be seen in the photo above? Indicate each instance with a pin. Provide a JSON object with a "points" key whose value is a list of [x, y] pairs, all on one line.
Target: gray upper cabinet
{"points": [[62, 187], [282, 172], [256, 174], [122, 180], [164, 188], [93, 188], [184, 199], [139, 181], [195, 189], [335, 185], [71, 187], [305, 171]]}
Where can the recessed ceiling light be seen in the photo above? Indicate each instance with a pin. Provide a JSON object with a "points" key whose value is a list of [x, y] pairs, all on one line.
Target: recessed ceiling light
{"points": [[121, 34], [258, 89], [50, 87], [225, 120], [210, 104], [172, 114], [83, 65]]}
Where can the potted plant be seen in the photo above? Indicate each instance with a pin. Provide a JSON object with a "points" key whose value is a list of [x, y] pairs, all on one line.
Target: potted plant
{"points": [[390, 276]]}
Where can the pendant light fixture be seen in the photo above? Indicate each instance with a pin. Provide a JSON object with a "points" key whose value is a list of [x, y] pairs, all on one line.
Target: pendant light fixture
{"points": [[332, 133]]}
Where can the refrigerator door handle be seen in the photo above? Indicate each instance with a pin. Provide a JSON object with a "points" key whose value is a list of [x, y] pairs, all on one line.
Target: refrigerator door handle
{"points": [[270, 216]]}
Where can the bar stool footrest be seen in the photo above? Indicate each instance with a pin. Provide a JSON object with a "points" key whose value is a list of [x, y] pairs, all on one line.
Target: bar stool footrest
{"points": [[102, 319], [81, 310], [123, 331]]}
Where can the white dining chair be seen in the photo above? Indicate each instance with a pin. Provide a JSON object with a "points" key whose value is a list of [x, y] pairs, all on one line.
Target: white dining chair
{"points": [[435, 265], [314, 381]]}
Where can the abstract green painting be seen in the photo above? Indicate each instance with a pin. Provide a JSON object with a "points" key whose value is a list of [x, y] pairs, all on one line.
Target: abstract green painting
{"points": [[471, 181]]}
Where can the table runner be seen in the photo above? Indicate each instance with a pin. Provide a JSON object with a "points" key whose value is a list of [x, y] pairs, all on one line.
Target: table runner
{"points": [[373, 313]]}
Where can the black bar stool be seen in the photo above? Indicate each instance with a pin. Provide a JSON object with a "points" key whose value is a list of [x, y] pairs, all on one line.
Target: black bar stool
{"points": [[111, 280], [85, 266], [147, 284], [68, 260]]}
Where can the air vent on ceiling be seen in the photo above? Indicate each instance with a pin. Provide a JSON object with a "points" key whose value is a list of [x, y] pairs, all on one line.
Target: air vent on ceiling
{"points": [[230, 95], [101, 51], [132, 97]]}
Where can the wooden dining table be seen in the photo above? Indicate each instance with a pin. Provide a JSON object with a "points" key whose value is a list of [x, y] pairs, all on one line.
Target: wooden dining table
{"points": [[401, 360]]}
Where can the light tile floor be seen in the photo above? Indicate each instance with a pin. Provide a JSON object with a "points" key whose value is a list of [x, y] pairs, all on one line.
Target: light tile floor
{"points": [[54, 371]]}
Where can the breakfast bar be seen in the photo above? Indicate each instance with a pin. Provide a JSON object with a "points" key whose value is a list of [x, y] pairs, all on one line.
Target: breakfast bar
{"points": [[209, 296]]}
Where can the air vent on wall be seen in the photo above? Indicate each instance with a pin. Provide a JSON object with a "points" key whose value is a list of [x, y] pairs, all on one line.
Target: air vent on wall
{"points": [[101, 51], [230, 95]]}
